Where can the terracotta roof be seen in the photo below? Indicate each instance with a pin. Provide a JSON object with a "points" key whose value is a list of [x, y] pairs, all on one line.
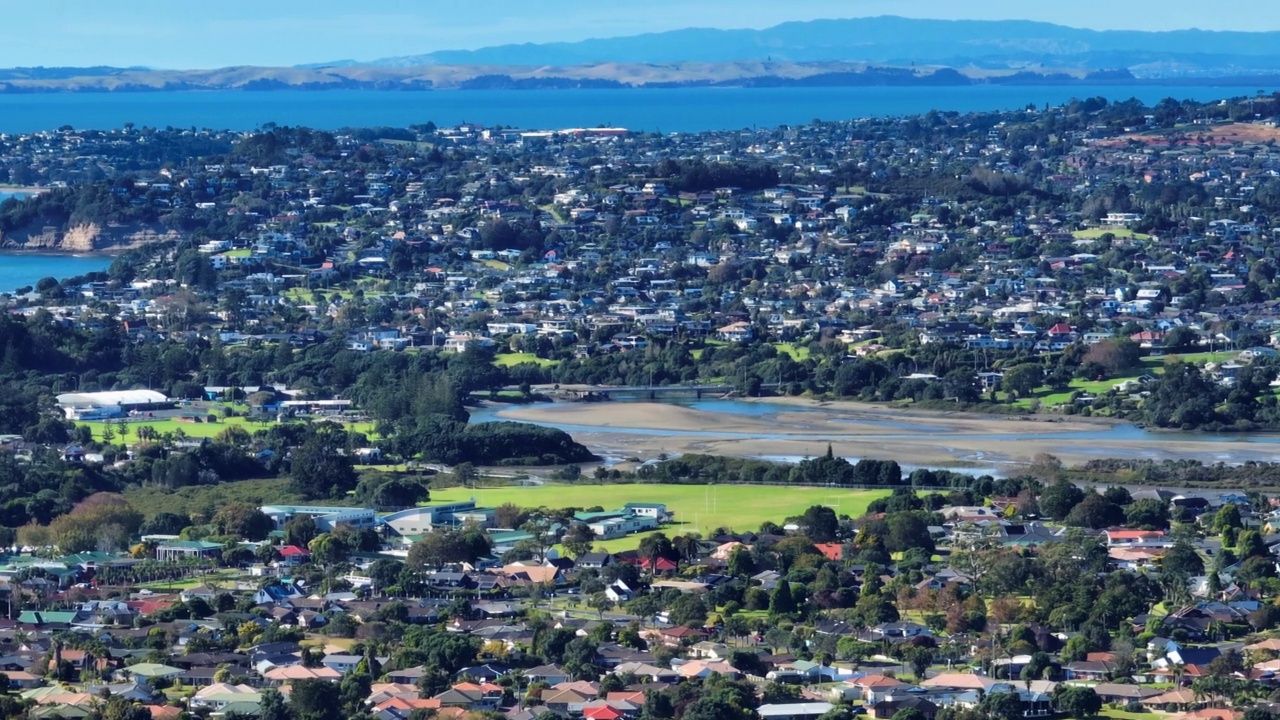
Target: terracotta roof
{"points": [[832, 551]]}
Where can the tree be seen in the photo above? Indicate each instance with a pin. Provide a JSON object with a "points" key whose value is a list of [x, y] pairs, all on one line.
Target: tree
{"points": [[782, 603], [579, 540], [353, 690], [1256, 568], [1023, 379], [1250, 544], [1058, 499], [329, 549], [713, 707], [920, 658], [165, 523], [300, 530], [580, 658], [820, 524], [600, 602], [1182, 559], [908, 530], [1114, 355], [508, 515], [1147, 514], [315, 700], [1228, 516], [688, 610], [443, 547], [854, 650], [741, 563], [100, 521], [465, 474], [1077, 701], [1095, 512], [121, 708], [385, 572], [1181, 339], [653, 547], [1002, 706], [775, 692], [243, 520], [319, 468], [273, 706]]}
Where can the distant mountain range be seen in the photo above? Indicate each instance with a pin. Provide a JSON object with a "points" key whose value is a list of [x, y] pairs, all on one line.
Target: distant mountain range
{"points": [[1006, 44], [820, 53]]}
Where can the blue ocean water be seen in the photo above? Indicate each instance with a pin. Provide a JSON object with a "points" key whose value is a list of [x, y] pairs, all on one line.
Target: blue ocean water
{"points": [[18, 271], [668, 110]]}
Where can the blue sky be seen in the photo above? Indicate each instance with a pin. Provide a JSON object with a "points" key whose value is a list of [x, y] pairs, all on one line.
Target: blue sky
{"points": [[169, 34]]}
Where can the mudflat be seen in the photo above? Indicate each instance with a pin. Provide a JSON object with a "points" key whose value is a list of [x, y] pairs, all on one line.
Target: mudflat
{"points": [[794, 428]]}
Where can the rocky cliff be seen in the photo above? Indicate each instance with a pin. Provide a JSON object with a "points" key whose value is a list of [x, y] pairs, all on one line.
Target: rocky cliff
{"points": [[84, 238]]}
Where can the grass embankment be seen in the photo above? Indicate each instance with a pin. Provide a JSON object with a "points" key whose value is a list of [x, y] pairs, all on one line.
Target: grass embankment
{"points": [[697, 508], [1154, 365]]}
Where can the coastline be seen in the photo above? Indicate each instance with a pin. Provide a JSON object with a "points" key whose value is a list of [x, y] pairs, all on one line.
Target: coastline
{"points": [[57, 253]]}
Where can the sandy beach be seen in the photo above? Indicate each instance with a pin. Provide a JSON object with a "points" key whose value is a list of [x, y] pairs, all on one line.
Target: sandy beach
{"points": [[801, 428]]}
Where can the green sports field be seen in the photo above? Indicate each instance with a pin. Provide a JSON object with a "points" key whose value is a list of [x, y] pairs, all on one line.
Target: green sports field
{"points": [[198, 430], [700, 508]]}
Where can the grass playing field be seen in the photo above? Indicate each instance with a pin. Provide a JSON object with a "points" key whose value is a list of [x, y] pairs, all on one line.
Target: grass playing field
{"points": [[193, 430], [700, 508]]}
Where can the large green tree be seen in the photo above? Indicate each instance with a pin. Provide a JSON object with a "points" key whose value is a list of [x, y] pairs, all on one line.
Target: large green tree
{"points": [[320, 467]]}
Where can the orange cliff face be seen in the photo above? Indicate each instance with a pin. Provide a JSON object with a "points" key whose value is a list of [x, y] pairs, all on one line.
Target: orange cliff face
{"points": [[85, 238]]}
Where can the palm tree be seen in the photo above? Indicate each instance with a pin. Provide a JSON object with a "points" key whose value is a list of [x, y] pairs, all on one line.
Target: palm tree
{"points": [[653, 547], [686, 547]]}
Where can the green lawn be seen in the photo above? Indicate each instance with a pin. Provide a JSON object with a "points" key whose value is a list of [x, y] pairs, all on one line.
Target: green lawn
{"points": [[700, 508], [220, 579], [1096, 233], [497, 265], [510, 359], [194, 430], [1153, 365], [303, 295], [799, 353], [1123, 715], [1159, 361]]}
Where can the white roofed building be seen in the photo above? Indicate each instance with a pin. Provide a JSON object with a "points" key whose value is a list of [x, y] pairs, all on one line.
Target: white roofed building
{"points": [[103, 405]]}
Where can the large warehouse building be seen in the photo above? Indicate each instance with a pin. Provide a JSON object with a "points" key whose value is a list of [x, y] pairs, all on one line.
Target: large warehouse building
{"points": [[105, 405]]}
